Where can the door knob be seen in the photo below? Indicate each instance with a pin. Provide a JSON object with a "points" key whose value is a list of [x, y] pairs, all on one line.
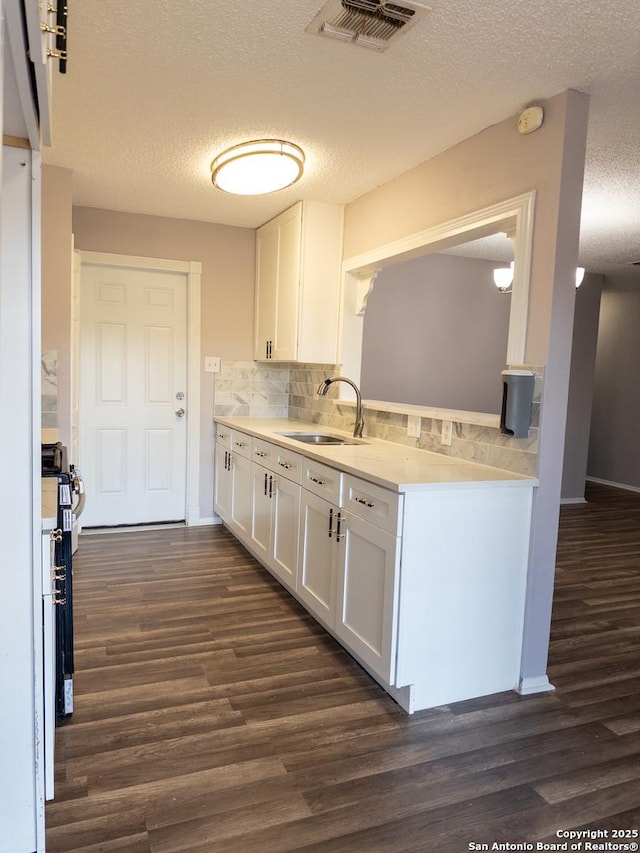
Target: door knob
{"points": [[180, 413]]}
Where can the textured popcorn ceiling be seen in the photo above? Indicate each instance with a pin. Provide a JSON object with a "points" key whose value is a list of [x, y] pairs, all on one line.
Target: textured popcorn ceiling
{"points": [[156, 89]]}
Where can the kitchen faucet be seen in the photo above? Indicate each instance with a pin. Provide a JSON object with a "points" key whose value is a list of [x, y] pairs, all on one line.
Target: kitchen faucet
{"points": [[322, 391]]}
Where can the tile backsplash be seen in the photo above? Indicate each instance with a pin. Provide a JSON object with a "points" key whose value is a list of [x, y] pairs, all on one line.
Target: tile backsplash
{"points": [[251, 389], [288, 390]]}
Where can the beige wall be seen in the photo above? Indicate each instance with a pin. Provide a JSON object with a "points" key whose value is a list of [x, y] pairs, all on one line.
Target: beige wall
{"points": [[488, 168], [492, 166], [56, 283], [227, 255]]}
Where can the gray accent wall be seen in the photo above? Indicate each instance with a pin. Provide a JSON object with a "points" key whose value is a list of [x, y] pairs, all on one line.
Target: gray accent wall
{"points": [[435, 334], [613, 449]]}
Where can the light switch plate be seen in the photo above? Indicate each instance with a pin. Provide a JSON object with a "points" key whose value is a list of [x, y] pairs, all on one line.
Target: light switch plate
{"points": [[447, 430], [211, 364], [413, 426]]}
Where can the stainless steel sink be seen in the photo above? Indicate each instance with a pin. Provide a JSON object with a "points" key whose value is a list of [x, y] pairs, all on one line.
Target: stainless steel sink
{"points": [[319, 438]]}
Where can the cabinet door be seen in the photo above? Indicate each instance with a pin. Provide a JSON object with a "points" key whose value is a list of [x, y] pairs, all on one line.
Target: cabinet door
{"points": [[223, 484], [261, 502], [283, 557], [317, 556], [285, 343], [266, 288], [241, 495], [368, 581]]}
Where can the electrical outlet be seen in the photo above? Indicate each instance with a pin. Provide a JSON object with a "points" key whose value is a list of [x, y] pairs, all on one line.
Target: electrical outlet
{"points": [[211, 364], [447, 430], [413, 426]]}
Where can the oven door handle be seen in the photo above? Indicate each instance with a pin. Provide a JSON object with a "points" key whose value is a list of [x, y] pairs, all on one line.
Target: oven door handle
{"points": [[77, 485]]}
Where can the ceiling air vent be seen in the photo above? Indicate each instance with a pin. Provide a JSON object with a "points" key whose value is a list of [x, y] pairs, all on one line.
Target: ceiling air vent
{"points": [[366, 23]]}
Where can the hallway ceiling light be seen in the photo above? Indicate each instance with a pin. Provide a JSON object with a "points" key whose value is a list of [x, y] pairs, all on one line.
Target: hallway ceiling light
{"points": [[258, 167], [579, 275]]}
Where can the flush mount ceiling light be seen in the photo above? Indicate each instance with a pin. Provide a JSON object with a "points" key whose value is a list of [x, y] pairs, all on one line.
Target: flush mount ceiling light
{"points": [[579, 275], [258, 167]]}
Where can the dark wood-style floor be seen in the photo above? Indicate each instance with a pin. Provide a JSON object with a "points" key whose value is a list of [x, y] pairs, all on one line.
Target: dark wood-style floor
{"points": [[212, 714]]}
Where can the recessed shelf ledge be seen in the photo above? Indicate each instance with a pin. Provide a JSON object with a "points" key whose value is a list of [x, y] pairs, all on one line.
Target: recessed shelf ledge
{"points": [[482, 419]]}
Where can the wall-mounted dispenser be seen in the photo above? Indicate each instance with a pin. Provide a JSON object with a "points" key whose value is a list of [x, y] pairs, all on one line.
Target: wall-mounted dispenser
{"points": [[517, 397]]}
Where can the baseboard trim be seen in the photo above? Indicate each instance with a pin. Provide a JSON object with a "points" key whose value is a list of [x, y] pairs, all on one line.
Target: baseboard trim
{"points": [[206, 522], [614, 485], [572, 501], [537, 684]]}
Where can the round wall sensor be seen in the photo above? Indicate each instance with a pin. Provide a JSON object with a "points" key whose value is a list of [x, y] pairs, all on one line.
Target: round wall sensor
{"points": [[530, 119]]}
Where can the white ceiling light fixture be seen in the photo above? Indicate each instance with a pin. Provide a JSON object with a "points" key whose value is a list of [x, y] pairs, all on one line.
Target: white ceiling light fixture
{"points": [[258, 167], [579, 275]]}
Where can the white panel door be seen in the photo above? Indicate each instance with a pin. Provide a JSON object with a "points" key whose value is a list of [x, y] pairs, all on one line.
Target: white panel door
{"points": [[133, 385]]}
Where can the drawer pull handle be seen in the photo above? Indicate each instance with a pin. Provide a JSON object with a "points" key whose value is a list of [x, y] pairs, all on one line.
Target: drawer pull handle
{"points": [[364, 502], [284, 465], [316, 480], [261, 453], [240, 444]]}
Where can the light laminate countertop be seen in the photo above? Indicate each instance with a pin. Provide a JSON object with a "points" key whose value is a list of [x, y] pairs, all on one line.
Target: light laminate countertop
{"points": [[394, 466]]}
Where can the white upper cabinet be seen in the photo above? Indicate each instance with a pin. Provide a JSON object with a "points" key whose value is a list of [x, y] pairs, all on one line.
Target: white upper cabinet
{"points": [[33, 57], [298, 259]]}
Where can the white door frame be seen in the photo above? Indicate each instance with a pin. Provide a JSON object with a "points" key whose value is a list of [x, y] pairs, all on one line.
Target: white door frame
{"points": [[193, 271]]}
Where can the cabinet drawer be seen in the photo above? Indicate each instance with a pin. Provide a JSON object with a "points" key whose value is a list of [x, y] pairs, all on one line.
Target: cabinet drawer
{"points": [[288, 464], [322, 480], [241, 443], [373, 503], [223, 436], [281, 461], [263, 452]]}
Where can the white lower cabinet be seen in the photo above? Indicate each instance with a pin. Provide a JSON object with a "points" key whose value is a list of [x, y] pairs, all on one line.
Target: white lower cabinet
{"points": [[223, 489], [260, 538], [240, 520], [426, 588], [285, 527], [368, 579], [232, 492], [318, 557], [273, 538], [348, 577]]}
